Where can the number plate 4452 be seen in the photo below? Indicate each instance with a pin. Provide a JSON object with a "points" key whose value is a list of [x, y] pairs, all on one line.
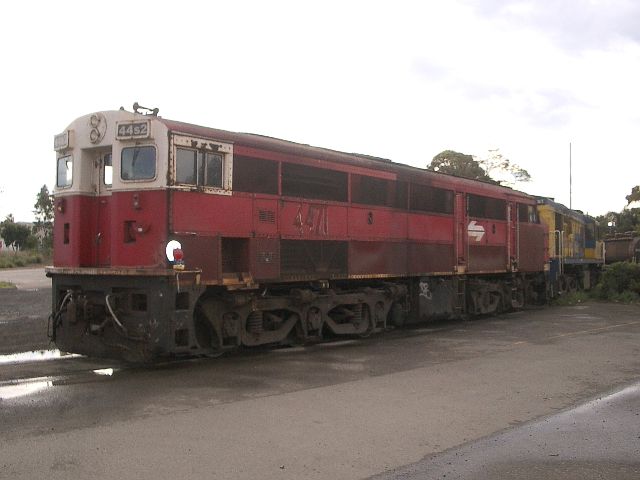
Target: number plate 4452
{"points": [[132, 130]]}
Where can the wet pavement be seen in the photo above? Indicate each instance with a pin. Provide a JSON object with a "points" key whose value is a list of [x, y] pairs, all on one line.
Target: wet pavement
{"points": [[599, 439], [346, 409]]}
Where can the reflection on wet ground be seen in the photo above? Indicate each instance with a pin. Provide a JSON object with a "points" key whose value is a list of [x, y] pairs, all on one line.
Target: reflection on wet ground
{"points": [[15, 390], [344, 409], [35, 356], [192, 383], [595, 440]]}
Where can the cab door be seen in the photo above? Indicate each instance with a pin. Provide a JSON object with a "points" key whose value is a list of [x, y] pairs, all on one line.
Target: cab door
{"points": [[103, 214]]}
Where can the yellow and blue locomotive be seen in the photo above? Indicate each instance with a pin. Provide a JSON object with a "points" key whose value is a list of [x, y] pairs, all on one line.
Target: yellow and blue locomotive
{"points": [[575, 251]]}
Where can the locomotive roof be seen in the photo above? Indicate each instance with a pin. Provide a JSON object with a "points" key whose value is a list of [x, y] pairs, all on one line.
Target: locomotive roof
{"points": [[560, 208], [320, 153]]}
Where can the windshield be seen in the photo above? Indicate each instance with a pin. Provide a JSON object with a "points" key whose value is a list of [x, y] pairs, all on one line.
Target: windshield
{"points": [[138, 163]]}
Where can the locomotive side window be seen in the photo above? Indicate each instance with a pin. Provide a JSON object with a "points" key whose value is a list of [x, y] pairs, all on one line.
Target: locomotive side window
{"points": [[212, 166], [378, 191], [590, 234], [311, 182], [527, 213], [401, 196], [430, 199], [487, 207], [197, 168], [65, 171], [370, 190], [108, 170], [185, 166], [138, 163], [568, 225], [255, 175]]}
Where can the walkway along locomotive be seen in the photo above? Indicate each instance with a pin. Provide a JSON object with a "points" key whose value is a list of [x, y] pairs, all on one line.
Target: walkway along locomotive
{"points": [[176, 239]]}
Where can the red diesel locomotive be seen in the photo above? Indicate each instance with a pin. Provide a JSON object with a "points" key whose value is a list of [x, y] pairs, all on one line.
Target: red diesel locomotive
{"points": [[176, 239]]}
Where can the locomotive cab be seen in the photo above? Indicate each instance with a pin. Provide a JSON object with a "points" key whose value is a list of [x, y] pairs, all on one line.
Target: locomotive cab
{"points": [[109, 192], [111, 277]]}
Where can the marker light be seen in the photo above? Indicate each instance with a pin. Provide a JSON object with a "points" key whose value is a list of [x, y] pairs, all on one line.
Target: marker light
{"points": [[178, 263]]}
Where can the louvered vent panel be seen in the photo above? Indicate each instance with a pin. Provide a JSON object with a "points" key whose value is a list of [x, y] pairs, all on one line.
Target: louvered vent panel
{"points": [[267, 216]]}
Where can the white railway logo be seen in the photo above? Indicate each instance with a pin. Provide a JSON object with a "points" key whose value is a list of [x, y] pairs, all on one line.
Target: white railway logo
{"points": [[475, 231]]}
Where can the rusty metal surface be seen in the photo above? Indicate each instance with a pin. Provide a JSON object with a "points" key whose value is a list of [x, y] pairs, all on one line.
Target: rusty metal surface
{"points": [[623, 249], [112, 271]]}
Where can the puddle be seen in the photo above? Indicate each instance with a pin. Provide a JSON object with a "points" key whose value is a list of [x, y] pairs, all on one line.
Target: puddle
{"points": [[104, 371], [23, 389], [36, 356]]}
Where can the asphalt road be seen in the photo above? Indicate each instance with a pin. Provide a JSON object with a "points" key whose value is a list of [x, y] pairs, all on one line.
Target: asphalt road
{"points": [[599, 439], [32, 278], [349, 409], [24, 311]]}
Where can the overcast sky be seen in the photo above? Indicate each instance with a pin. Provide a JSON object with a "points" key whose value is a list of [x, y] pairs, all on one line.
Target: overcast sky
{"points": [[402, 80]]}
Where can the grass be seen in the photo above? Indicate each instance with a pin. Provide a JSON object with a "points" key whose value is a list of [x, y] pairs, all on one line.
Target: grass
{"points": [[574, 298], [20, 259], [7, 285]]}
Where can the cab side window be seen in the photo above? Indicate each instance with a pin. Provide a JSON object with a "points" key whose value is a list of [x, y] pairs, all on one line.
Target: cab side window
{"points": [[64, 177], [198, 168], [107, 178]]}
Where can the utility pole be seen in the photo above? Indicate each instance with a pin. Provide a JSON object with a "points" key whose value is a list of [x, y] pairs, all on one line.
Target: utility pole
{"points": [[570, 179]]}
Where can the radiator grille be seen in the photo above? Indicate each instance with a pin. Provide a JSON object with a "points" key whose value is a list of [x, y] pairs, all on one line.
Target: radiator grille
{"points": [[267, 216], [312, 257]]}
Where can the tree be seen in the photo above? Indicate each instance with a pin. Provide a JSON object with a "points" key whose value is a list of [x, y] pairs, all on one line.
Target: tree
{"points": [[502, 170], [494, 169], [459, 165], [634, 195], [626, 221], [14, 234], [43, 210]]}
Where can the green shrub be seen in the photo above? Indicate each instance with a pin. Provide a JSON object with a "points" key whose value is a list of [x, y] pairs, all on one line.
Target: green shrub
{"points": [[19, 259], [620, 282]]}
